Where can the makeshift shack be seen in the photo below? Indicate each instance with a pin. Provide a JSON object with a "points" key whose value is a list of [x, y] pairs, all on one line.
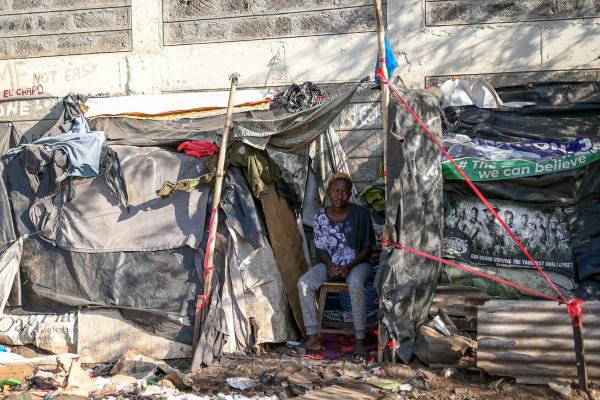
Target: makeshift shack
{"points": [[105, 216]]}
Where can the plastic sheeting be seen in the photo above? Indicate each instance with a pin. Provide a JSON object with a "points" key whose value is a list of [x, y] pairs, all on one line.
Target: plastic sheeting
{"points": [[250, 288], [165, 104], [9, 137], [536, 123], [155, 290], [567, 113], [265, 299], [9, 268], [414, 217], [284, 131], [552, 93], [469, 92], [94, 221]]}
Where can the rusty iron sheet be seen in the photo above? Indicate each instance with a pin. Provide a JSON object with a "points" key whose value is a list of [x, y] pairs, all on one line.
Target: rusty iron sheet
{"points": [[532, 341], [458, 300]]}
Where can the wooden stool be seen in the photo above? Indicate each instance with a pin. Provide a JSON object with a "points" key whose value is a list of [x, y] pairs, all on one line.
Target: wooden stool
{"points": [[338, 327]]}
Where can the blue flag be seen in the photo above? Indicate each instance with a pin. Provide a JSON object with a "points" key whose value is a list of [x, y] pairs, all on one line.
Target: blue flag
{"points": [[390, 61]]}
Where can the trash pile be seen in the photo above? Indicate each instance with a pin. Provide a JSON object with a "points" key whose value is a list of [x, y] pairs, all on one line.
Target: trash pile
{"points": [[273, 376], [53, 375]]}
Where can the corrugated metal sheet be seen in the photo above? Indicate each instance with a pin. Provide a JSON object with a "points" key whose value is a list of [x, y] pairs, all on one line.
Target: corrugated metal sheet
{"points": [[532, 341], [458, 300]]}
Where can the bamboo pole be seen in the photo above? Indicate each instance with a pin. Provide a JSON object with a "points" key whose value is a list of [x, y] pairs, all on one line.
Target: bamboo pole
{"points": [[385, 100], [203, 302]]}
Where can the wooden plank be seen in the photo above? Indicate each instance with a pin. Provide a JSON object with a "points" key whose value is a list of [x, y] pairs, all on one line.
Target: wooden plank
{"points": [[177, 10], [65, 44], [287, 246], [64, 22], [337, 392], [328, 22], [104, 336], [361, 143], [466, 12], [32, 6]]}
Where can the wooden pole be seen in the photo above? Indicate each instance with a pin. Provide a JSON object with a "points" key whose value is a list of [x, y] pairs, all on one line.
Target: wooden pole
{"points": [[203, 302], [580, 355], [385, 100]]}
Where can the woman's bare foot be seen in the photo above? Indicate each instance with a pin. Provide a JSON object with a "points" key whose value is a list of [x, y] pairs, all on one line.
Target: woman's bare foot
{"points": [[312, 343]]}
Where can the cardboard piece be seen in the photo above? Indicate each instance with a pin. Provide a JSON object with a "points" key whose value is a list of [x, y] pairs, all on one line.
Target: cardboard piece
{"points": [[287, 246], [104, 336]]}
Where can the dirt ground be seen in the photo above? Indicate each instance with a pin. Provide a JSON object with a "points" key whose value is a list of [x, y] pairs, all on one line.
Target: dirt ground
{"points": [[426, 383], [278, 374]]}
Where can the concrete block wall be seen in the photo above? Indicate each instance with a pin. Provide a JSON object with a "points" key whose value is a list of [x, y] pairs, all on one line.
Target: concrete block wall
{"points": [[33, 28], [117, 47]]}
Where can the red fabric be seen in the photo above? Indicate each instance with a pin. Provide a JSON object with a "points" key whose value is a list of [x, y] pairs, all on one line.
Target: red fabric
{"points": [[472, 186], [575, 308], [198, 149]]}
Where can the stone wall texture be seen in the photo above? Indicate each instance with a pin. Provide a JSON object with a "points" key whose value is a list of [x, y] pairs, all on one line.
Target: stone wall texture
{"points": [[454, 12], [215, 21], [42, 28]]}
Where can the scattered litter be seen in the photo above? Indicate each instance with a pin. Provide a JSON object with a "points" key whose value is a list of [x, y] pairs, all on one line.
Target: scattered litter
{"points": [[4, 349], [562, 389], [377, 371], [419, 383], [385, 384], [495, 384], [432, 347], [53, 333], [241, 383], [144, 368], [448, 372], [297, 97], [157, 390], [440, 326], [406, 387], [101, 370]]}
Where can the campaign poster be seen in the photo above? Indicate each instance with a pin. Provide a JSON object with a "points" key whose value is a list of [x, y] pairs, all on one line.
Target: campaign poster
{"points": [[473, 235]]}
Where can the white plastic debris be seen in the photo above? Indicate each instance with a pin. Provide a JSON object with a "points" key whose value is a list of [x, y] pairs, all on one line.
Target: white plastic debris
{"points": [[241, 383], [405, 387], [441, 326], [562, 389]]}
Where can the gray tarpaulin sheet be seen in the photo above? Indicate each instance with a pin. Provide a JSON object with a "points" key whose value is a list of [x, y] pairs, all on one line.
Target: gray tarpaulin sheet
{"points": [[414, 217], [9, 137], [155, 289], [7, 235], [9, 268], [265, 299], [284, 131], [564, 111], [244, 263], [94, 221]]}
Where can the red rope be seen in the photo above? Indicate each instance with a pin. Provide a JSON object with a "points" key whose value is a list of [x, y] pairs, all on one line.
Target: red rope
{"points": [[208, 269], [472, 185], [472, 271]]}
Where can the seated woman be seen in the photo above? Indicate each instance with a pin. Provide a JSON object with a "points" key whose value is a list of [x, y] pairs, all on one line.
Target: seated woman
{"points": [[343, 238]]}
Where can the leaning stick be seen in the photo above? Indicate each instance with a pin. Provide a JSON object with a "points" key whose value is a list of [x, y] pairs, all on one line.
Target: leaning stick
{"points": [[203, 301]]}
